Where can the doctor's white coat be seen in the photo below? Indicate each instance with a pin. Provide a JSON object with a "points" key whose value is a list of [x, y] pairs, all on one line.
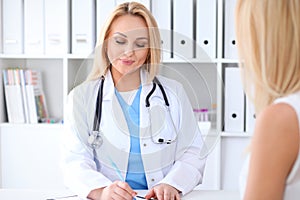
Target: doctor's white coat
{"points": [[178, 164]]}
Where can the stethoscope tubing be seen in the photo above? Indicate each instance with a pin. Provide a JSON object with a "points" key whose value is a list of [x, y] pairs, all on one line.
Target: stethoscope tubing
{"points": [[95, 138]]}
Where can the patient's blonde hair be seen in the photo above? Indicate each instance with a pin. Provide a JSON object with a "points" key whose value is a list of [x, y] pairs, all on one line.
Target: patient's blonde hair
{"points": [[101, 61], [268, 42]]}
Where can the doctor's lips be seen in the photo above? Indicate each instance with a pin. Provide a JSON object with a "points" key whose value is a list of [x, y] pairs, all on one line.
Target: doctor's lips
{"points": [[127, 62]]}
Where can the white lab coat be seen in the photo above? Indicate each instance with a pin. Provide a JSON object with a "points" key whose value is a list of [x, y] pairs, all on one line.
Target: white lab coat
{"points": [[178, 164]]}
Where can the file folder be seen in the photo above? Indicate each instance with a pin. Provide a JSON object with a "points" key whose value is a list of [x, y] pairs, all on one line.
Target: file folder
{"points": [[1, 37], [161, 11], [30, 95], [250, 116], [146, 3], [34, 27], [57, 26], [2, 102], [206, 29], [230, 39], [12, 26], [104, 9], [234, 100], [83, 26], [13, 96], [183, 29], [24, 95]]}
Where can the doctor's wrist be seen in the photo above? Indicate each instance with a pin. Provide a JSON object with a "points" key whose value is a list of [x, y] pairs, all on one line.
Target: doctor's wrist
{"points": [[95, 194]]}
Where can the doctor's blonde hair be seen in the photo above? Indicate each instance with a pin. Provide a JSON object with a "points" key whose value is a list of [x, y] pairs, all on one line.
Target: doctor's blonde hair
{"points": [[101, 61], [268, 40]]}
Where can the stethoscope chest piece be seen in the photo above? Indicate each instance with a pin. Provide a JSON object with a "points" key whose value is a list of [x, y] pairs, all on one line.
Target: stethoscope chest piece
{"points": [[95, 139]]}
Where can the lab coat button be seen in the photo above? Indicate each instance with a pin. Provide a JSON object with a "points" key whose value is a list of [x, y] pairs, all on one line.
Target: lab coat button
{"points": [[145, 144], [152, 179]]}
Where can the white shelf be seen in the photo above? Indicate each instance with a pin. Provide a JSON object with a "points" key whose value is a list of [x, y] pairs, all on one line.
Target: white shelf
{"points": [[236, 134], [194, 60], [225, 60], [30, 56], [35, 126], [44, 56]]}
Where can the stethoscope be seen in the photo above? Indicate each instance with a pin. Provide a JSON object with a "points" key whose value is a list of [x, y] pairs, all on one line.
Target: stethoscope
{"points": [[95, 137]]}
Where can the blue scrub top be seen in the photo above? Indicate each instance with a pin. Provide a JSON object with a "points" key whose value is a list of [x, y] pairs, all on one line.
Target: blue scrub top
{"points": [[135, 176]]}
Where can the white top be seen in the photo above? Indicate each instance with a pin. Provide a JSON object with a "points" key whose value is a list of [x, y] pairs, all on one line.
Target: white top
{"points": [[178, 164], [292, 188]]}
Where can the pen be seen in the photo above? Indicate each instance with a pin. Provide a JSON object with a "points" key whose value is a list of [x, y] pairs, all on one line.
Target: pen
{"points": [[141, 197], [117, 170]]}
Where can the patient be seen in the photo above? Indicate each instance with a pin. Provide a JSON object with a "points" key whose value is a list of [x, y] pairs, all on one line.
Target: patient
{"points": [[268, 39]]}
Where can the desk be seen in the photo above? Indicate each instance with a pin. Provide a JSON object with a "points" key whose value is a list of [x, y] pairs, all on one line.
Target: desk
{"points": [[18, 194]]}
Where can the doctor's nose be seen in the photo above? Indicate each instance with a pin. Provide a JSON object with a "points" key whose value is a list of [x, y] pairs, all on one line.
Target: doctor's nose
{"points": [[129, 50]]}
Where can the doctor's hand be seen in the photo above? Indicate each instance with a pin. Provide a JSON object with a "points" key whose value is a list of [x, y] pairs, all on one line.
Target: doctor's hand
{"points": [[163, 192], [118, 190]]}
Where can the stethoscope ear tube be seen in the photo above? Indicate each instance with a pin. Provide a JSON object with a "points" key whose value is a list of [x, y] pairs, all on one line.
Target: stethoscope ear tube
{"points": [[95, 139], [98, 113]]}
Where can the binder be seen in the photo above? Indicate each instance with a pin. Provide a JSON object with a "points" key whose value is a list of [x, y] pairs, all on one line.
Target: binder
{"points": [[206, 29], [12, 26], [83, 26], [13, 97], [146, 3], [234, 100], [30, 95], [161, 11], [1, 22], [57, 22], [104, 9], [3, 79], [183, 29], [230, 39], [34, 27], [250, 116], [21, 74]]}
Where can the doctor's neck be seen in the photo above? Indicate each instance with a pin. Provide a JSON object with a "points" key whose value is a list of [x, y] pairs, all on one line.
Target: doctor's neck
{"points": [[126, 82]]}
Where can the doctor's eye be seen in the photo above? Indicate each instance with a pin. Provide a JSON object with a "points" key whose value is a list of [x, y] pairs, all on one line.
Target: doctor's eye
{"points": [[119, 40], [142, 44]]}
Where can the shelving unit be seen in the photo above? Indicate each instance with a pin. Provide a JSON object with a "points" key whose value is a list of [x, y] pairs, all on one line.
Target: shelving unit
{"points": [[60, 73]]}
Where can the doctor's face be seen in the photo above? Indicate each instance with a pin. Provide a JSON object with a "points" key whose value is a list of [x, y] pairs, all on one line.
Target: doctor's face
{"points": [[128, 44]]}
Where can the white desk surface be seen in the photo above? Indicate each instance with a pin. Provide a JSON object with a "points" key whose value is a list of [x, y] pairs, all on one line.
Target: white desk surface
{"points": [[26, 194]]}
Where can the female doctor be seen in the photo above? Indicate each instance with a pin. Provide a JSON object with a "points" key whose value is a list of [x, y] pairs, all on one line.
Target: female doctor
{"points": [[128, 128]]}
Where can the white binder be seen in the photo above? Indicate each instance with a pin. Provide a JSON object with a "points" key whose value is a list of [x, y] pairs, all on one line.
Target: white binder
{"points": [[34, 27], [146, 3], [206, 29], [234, 100], [104, 9], [57, 22], [83, 26], [13, 96], [250, 116], [161, 11], [12, 26], [230, 39], [1, 41], [183, 29]]}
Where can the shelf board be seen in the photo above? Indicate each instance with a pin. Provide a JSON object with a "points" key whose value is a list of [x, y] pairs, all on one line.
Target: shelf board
{"points": [[30, 56], [36, 126], [193, 60], [236, 134], [44, 56], [225, 60]]}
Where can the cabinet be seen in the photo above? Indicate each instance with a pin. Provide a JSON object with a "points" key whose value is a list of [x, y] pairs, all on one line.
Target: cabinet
{"points": [[26, 146]]}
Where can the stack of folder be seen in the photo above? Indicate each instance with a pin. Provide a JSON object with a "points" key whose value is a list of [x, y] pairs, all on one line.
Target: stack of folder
{"points": [[25, 100]]}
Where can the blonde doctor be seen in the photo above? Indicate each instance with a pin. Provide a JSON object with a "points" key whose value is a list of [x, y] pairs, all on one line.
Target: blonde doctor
{"points": [[128, 128]]}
